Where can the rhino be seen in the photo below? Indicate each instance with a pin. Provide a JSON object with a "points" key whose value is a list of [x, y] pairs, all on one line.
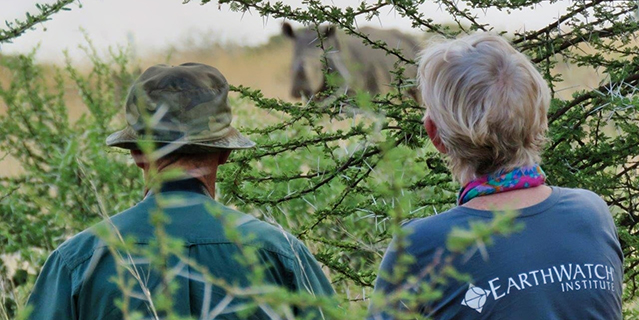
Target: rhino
{"points": [[358, 66]]}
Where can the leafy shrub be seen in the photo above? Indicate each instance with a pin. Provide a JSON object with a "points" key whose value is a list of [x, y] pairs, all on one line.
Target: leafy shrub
{"points": [[341, 183]]}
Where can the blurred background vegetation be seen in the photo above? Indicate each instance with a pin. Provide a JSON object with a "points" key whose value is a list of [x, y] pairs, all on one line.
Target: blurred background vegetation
{"points": [[342, 183]]}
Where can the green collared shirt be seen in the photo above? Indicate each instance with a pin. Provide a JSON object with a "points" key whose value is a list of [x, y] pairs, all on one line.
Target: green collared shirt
{"points": [[78, 279]]}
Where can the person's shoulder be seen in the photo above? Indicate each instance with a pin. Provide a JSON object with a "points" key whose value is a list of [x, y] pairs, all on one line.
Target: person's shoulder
{"points": [[79, 248], [267, 236], [581, 197], [436, 223], [432, 231], [576, 192], [585, 209]]}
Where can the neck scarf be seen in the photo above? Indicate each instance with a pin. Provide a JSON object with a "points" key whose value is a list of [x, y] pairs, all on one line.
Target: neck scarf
{"points": [[502, 181]]}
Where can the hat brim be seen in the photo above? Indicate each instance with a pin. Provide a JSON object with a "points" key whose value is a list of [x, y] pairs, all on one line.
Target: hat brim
{"points": [[129, 139]]}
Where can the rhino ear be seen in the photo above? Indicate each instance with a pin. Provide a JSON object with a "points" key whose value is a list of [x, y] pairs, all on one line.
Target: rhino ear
{"points": [[329, 31], [287, 30]]}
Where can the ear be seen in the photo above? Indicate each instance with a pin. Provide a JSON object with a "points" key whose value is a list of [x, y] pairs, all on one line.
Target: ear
{"points": [[433, 134], [140, 159], [329, 32], [224, 156], [287, 30]]}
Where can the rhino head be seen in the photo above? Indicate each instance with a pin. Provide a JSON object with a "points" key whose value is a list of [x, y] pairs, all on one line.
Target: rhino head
{"points": [[308, 52]]}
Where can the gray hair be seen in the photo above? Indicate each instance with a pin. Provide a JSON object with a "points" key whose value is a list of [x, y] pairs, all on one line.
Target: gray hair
{"points": [[488, 102]]}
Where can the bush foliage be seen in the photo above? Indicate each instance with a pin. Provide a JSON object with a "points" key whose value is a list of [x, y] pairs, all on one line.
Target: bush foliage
{"points": [[341, 183]]}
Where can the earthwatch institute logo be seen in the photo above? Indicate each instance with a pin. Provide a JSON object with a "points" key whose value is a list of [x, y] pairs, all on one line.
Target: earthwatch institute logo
{"points": [[563, 278], [475, 297]]}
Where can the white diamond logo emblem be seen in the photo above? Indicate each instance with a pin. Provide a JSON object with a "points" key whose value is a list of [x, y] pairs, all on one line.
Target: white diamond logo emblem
{"points": [[475, 298]]}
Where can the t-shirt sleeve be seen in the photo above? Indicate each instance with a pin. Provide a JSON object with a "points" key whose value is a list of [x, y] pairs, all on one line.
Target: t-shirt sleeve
{"points": [[52, 296]]}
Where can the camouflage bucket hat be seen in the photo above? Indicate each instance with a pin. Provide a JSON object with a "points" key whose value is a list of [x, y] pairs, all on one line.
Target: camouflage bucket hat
{"points": [[185, 106]]}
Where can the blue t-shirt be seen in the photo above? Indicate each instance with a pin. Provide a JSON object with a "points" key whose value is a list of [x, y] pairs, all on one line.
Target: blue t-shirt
{"points": [[566, 263]]}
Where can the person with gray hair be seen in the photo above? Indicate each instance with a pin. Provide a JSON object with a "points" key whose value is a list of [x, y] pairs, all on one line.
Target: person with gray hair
{"points": [[486, 111], [183, 111]]}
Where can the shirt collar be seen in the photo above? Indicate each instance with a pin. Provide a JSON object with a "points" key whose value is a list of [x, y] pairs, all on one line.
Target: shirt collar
{"points": [[185, 185]]}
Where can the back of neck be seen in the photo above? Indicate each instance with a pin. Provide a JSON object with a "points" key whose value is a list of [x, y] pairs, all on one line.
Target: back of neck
{"points": [[511, 200]]}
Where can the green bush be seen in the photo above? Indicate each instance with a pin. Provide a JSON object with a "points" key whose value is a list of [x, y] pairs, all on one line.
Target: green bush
{"points": [[343, 184]]}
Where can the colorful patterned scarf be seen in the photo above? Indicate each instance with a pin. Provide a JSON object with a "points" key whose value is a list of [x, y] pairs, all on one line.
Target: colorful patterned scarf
{"points": [[519, 178]]}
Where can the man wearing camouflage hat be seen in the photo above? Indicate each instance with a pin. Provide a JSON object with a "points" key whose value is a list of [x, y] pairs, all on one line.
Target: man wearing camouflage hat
{"points": [[183, 112]]}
